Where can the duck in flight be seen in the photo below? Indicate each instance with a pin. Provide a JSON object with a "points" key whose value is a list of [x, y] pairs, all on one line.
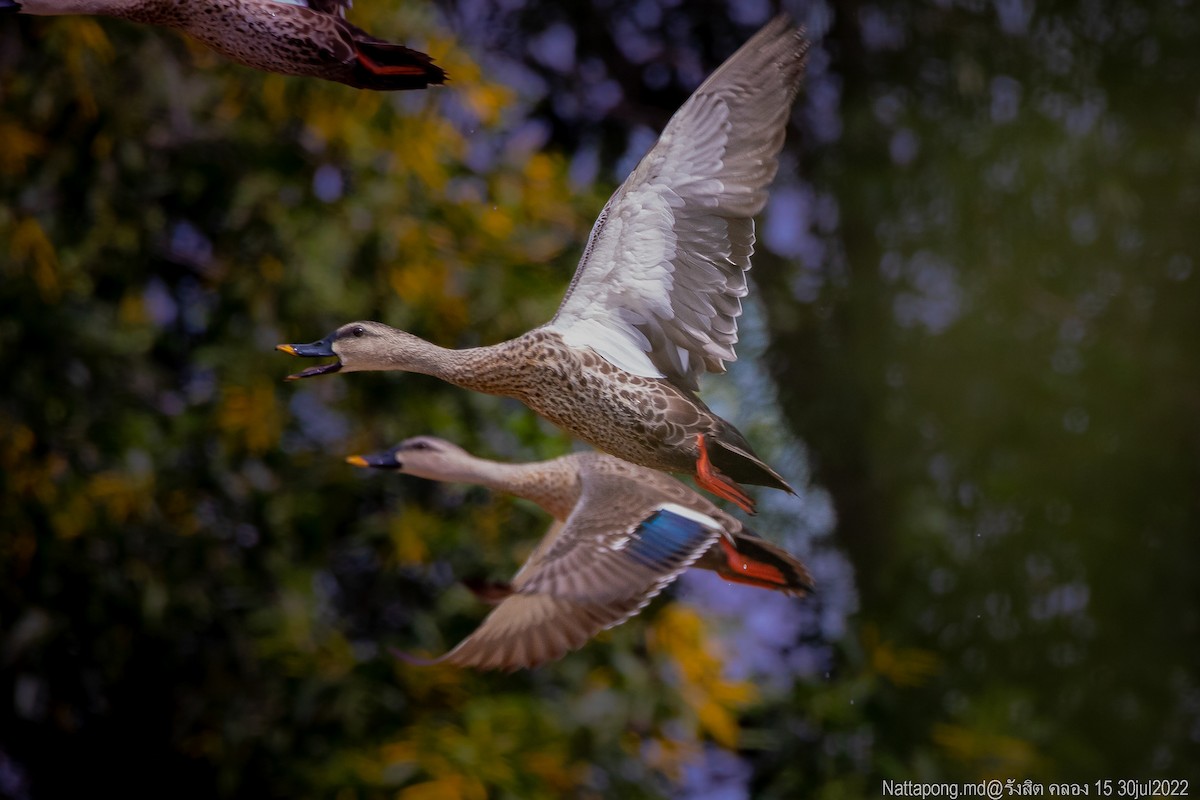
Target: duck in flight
{"points": [[621, 534], [292, 37], [656, 296]]}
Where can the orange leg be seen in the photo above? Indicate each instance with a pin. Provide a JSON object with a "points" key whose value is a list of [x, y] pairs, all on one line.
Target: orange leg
{"points": [[712, 479]]}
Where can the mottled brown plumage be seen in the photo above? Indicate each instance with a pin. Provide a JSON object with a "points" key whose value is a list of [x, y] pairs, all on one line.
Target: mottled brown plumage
{"points": [[621, 534], [288, 37]]}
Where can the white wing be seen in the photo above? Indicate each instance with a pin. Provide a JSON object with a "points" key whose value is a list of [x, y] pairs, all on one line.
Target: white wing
{"points": [[658, 290]]}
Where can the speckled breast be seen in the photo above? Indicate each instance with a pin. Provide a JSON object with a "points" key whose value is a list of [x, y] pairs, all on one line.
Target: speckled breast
{"points": [[631, 417]]}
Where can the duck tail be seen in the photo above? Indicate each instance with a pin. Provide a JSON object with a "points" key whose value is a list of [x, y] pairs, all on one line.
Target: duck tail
{"points": [[743, 466], [384, 66], [754, 561]]}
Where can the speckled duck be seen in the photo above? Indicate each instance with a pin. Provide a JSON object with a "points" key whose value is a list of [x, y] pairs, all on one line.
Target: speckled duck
{"points": [[621, 534], [292, 37]]}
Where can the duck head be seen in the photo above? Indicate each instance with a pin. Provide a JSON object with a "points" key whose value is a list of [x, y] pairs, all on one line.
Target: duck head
{"points": [[357, 346], [423, 456]]}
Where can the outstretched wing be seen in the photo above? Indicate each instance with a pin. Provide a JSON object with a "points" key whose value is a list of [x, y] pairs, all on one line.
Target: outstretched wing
{"points": [[592, 576], [658, 290]]}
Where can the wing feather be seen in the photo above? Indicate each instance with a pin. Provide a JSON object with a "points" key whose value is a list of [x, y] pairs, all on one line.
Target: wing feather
{"points": [[677, 236], [596, 572]]}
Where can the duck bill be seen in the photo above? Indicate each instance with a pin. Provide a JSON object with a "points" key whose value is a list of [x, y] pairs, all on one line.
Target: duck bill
{"points": [[321, 349], [9, 5], [386, 460]]}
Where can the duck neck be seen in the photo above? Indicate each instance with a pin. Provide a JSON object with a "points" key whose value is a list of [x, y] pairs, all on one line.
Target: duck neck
{"points": [[552, 485], [480, 369]]}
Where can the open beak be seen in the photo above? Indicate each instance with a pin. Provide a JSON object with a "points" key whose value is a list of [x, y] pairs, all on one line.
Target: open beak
{"points": [[321, 349], [385, 460]]}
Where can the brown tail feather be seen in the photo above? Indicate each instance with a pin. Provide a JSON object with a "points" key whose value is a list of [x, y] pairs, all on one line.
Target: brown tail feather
{"points": [[385, 66], [741, 465]]}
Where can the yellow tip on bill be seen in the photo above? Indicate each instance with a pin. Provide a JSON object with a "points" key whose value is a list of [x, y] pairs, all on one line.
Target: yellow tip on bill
{"points": [[287, 348], [357, 461]]}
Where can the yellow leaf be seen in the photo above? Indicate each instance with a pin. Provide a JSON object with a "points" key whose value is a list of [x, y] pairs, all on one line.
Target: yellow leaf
{"points": [[249, 415], [120, 494], [71, 518], [990, 755], [670, 756], [402, 752], [488, 101], [553, 769], [274, 98], [679, 633], [717, 721], [447, 787], [87, 36], [496, 223], [30, 243], [271, 269], [903, 666], [17, 146], [539, 168], [86, 41], [408, 532], [132, 310]]}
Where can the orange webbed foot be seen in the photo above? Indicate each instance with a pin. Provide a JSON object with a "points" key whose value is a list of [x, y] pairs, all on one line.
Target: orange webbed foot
{"points": [[715, 481]]}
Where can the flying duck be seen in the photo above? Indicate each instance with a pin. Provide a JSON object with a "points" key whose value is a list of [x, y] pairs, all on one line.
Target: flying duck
{"points": [[292, 37], [621, 534]]}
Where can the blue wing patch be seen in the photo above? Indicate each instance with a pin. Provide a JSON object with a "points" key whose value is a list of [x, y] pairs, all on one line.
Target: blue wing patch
{"points": [[670, 537]]}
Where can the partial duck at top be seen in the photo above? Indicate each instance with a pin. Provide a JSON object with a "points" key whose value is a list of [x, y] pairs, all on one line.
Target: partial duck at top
{"points": [[655, 299], [621, 534], [309, 38]]}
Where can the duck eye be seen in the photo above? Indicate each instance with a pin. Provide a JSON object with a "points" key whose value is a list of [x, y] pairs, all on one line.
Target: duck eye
{"points": [[359, 331]]}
